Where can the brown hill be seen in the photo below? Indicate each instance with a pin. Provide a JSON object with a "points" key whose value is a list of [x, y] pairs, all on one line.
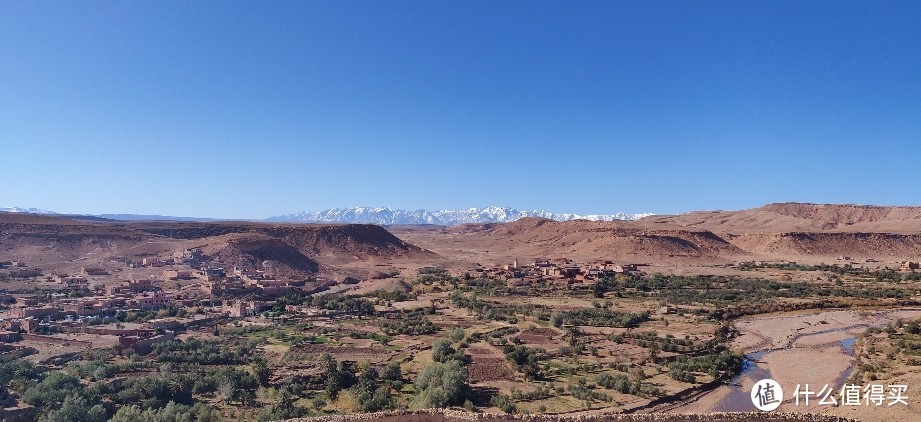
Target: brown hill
{"points": [[783, 230], [59, 240], [593, 238], [258, 251], [580, 240], [793, 244], [52, 240], [845, 214], [364, 240], [800, 217], [314, 239]]}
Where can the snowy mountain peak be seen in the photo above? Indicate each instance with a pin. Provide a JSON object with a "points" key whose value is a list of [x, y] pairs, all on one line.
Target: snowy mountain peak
{"points": [[387, 216], [26, 210]]}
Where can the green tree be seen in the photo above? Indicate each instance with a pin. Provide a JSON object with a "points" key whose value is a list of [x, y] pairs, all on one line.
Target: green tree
{"points": [[393, 375], [52, 390], [128, 414], [333, 381], [371, 396], [337, 378], [525, 359], [557, 320], [76, 408], [236, 384], [275, 412], [262, 371], [457, 334], [504, 402], [442, 350], [172, 412], [392, 372], [440, 385]]}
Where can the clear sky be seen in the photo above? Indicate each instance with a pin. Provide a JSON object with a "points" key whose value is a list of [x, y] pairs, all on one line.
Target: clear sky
{"points": [[252, 109]]}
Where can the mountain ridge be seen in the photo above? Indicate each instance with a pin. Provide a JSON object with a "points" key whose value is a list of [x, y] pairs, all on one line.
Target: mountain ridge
{"points": [[26, 210], [387, 216], [370, 215]]}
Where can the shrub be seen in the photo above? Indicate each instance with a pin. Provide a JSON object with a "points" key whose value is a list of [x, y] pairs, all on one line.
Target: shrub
{"points": [[504, 403], [440, 385], [620, 383], [414, 324], [525, 359], [457, 334], [557, 320], [443, 352], [75, 408]]}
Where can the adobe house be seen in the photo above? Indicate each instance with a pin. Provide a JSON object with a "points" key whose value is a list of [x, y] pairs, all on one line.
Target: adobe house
{"points": [[88, 271]]}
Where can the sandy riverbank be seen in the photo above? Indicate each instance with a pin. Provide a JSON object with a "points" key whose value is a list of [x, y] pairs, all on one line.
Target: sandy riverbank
{"points": [[798, 348]]}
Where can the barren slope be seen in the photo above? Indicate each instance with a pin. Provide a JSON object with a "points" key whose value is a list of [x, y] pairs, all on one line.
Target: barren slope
{"points": [[798, 217], [775, 231], [614, 238], [49, 241], [256, 251], [858, 245], [579, 240]]}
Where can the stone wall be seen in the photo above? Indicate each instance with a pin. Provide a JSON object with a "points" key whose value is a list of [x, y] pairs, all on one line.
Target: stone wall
{"points": [[57, 340], [17, 414], [439, 415]]}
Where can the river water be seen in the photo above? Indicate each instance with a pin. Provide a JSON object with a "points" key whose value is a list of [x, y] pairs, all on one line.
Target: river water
{"points": [[754, 369], [800, 340], [739, 397]]}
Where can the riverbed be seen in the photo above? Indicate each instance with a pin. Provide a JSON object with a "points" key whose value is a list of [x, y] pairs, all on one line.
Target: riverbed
{"points": [[793, 349]]}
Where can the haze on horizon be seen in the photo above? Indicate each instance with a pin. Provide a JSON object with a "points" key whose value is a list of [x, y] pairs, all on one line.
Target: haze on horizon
{"points": [[246, 110]]}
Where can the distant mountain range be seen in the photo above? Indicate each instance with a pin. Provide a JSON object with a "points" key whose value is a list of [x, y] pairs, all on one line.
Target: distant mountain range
{"points": [[153, 217], [379, 216], [26, 210], [118, 217], [387, 216]]}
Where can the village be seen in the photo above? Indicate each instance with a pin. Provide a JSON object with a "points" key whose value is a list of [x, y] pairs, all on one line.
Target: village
{"points": [[96, 301], [561, 270], [603, 318], [138, 312]]}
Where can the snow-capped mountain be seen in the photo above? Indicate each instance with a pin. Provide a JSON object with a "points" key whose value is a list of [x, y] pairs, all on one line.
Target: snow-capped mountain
{"points": [[384, 216], [26, 210], [387, 216]]}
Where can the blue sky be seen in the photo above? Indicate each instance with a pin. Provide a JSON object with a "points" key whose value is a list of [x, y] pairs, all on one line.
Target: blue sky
{"points": [[252, 109]]}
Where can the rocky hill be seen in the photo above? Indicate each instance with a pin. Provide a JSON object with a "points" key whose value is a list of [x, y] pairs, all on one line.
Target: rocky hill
{"points": [[293, 247], [615, 238], [792, 217], [865, 245], [259, 251], [774, 231]]}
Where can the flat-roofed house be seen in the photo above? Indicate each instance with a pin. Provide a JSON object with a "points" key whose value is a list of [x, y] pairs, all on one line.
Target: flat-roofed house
{"points": [[88, 271], [175, 274]]}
